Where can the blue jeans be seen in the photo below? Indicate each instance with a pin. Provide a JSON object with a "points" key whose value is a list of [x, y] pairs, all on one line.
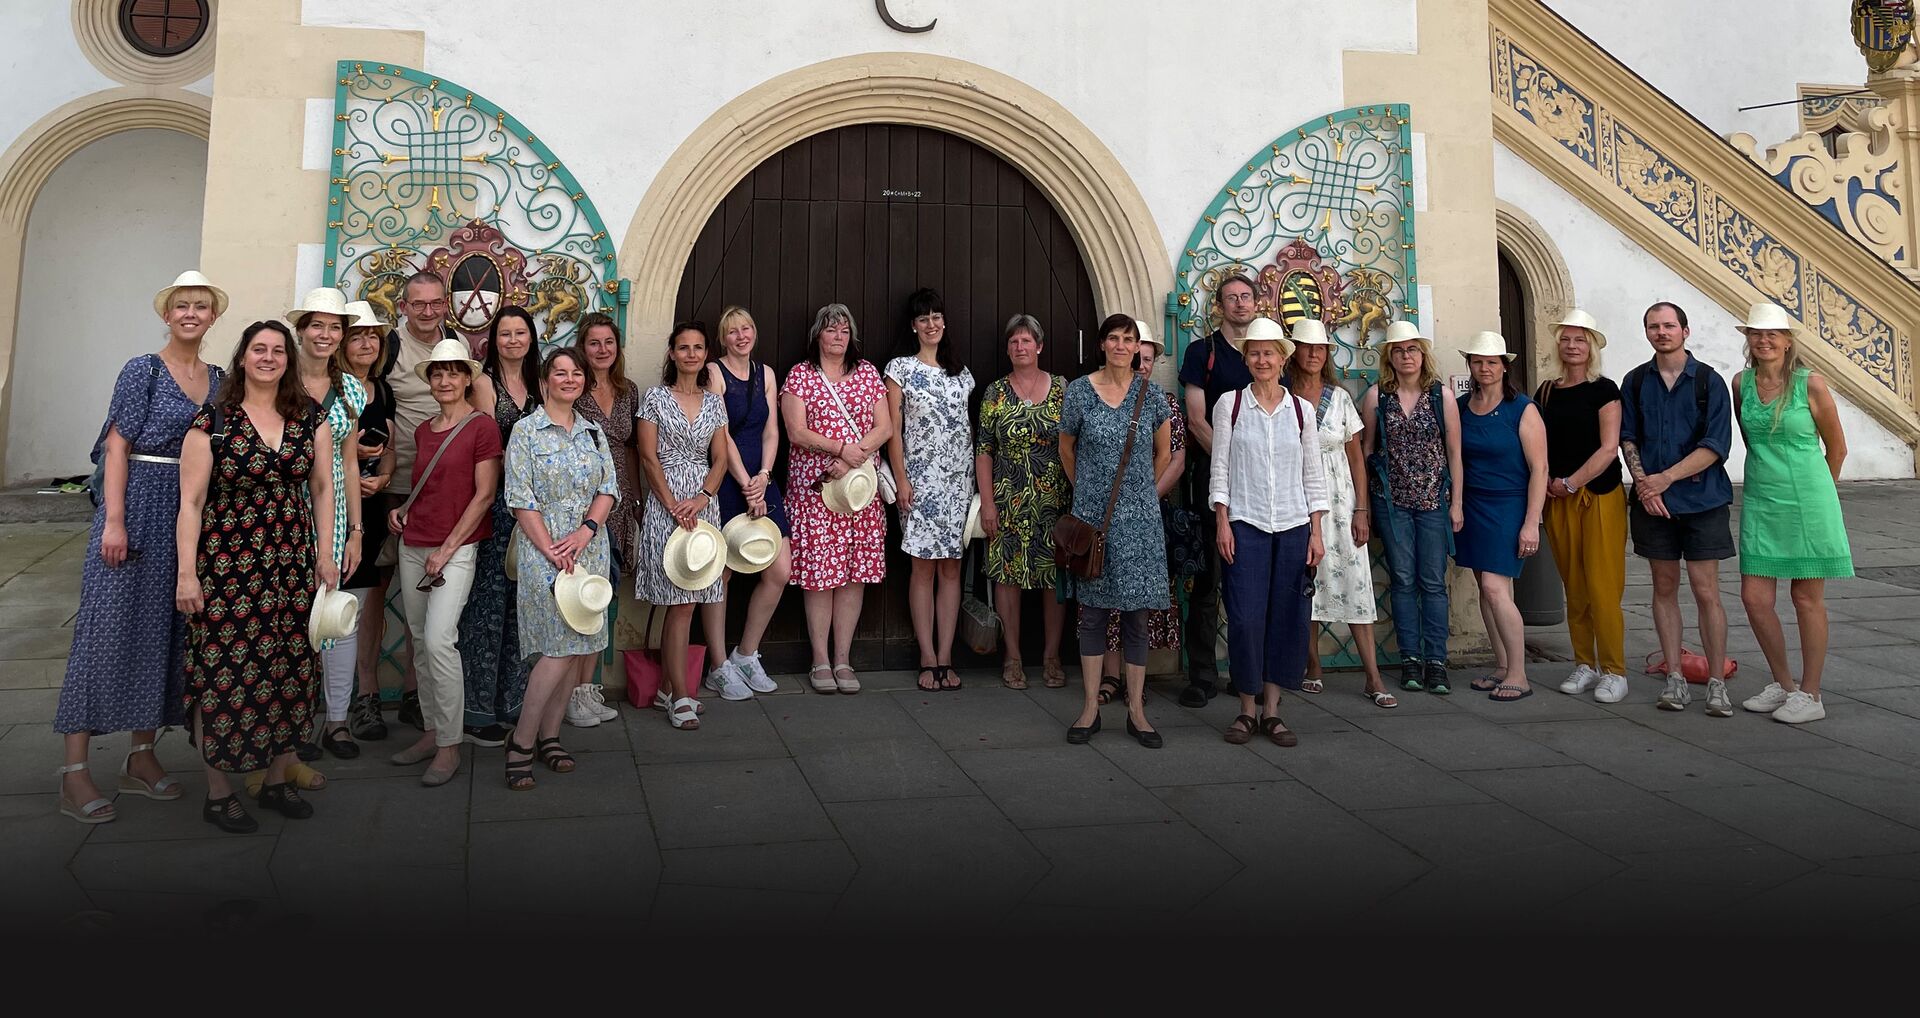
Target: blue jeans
{"points": [[1269, 608], [1417, 560]]}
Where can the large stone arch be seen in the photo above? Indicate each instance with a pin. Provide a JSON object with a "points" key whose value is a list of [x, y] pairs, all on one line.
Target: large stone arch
{"points": [[1123, 249], [26, 165], [1542, 272]]}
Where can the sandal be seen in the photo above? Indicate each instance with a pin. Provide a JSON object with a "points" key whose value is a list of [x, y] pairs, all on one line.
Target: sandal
{"points": [[1111, 688], [1240, 729], [339, 742], [558, 760], [685, 715], [1524, 692], [929, 684], [1056, 676], [851, 684], [663, 701], [1312, 686], [1382, 699], [164, 790], [820, 685], [1484, 684], [946, 673], [520, 776], [94, 811], [1277, 731], [1013, 675], [299, 775]]}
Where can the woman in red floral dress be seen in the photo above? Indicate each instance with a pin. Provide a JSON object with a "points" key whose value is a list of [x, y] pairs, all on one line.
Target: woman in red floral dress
{"points": [[248, 554], [834, 556]]}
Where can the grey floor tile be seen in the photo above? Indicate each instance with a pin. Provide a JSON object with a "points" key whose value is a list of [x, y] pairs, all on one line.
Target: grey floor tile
{"points": [[1191, 756], [1905, 866], [982, 719], [1359, 771], [1900, 700], [601, 784], [1880, 732], [1491, 897], [1802, 821], [812, 867], [806, 723], [955, 864], [1605, 813], [1468, 834], [1185, 864], [34, 644], [1851, 776], [1643, 756], [232, 867], [1284, 824], [900, 768], [38, 616], [381, 899], [728, 731], [1851, 668], [734, 802], [1459, 743], [1080, 787], [599, 866], [42, 589], [28, 707], [1824, 902]]}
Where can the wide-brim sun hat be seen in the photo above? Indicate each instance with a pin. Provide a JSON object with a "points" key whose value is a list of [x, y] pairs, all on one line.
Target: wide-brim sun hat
{"points": [[334, 614], [1145, 336], [1486, 344], [1310, 332], [752, 543], [325, 301], [448, 351], [1578, 319], [583, 598], [694, 559], [972, 529], [1404, 331], [1266, 330], [853, 491], [512, 565], [188, 280], [1768, 315], [361, 315]]}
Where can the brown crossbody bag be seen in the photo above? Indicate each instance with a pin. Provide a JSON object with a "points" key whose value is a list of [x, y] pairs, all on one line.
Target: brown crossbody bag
{"points": [[1078, 546]]}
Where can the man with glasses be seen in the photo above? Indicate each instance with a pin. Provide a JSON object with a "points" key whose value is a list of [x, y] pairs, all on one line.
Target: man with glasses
{"points": [[1210, 368]]}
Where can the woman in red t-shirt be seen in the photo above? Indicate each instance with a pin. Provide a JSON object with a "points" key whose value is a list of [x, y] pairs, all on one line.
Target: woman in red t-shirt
{"points": [[456, 471]]}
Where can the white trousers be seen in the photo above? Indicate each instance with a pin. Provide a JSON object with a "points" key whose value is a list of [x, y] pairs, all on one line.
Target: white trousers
{"points": [[434, 618]]}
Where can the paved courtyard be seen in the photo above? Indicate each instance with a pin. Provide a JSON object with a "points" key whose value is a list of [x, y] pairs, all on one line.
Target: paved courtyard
{"points": [[967, 811]]}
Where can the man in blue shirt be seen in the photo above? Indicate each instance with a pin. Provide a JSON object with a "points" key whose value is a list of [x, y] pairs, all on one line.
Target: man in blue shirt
{"points": [[1676, 429], [1209, 369]]}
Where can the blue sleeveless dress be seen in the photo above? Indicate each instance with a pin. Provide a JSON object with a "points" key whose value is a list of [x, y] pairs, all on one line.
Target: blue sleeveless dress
{"points": [[748, 410], [1494, 500]]}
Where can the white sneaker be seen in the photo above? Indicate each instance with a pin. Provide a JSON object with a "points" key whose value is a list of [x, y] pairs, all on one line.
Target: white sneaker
{"points": [[1799, 709], [1767, 700], [597, 694], [1677, 695], [1612, 689], [1719, 704], [1580, 681], [726, 681], [757, 678], [580, 712]]}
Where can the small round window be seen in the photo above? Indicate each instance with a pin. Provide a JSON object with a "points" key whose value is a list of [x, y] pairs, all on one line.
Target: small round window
{"points": [[163, 28]]}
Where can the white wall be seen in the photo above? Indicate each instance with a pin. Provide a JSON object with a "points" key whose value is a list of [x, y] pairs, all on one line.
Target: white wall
{"points": [[614, 92], [1715, 56], [44, 66], [1615, 279], [116, 222]]}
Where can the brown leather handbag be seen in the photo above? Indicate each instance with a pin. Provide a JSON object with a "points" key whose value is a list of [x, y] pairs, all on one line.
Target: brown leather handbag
{"points": [[1078, 546]]}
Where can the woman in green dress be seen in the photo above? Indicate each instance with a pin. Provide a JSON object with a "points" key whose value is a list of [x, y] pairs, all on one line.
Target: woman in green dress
{"points": [[1790, 523], [1022, 490]]}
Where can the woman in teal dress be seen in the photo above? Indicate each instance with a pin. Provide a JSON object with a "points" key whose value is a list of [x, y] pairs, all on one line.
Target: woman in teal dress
{"points": [[1790, 523]]}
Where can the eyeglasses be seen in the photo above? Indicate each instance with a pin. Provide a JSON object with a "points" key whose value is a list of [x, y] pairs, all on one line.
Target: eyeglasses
{"points": [[428, 305], [1236, 298]]}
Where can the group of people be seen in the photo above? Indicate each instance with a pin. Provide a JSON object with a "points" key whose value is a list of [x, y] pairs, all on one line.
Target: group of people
{"points": [[251, 519]]}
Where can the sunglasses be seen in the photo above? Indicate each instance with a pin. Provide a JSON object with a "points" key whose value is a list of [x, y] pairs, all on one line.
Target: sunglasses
{"points": [[427, 584]]}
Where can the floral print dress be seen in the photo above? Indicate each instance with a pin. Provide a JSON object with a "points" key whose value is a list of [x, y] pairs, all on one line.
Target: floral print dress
{"points": [[683, 457], [831, 550], [1163, 624], [618, 426], [557, 472], [1135, 573], [939, 456], [1343, 588], [1029, 486], [494, 671]]}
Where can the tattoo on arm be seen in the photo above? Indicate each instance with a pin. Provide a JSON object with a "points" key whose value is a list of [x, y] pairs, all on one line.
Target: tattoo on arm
{"points": [[1632, 454]]}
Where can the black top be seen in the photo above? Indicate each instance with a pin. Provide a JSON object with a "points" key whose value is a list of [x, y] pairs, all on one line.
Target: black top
{"points": [[1229, 372], [1572, 416], [376, 420]]}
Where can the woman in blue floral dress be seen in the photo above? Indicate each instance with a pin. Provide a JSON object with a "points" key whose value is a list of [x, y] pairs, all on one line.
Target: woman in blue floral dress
{"points": [[932, 458]]}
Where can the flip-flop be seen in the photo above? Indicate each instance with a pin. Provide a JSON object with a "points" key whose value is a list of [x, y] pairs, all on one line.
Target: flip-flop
{"points": [[1484, 684], [1383, 699], [1525, 691]]}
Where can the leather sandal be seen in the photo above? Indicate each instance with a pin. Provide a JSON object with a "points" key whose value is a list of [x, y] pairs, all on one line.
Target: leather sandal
{"points": [[1278, 731], [685, 715], [949, 679], [1111, 688], [1013, 675], [94, 811], [1055, 675], [228, 815], [519, 775], [164, 790], [1240, 729], [558, 760], [927, 681]]}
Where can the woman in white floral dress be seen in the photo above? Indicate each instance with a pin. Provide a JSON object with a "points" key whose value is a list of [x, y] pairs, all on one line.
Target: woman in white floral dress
{"points": [[1343, 587], [932, 458]]}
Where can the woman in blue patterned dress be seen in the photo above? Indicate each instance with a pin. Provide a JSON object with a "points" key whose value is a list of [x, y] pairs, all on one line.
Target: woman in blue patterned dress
{"points": [[683, 456], [123, 673], [932, 457], [1094, 425], [320, 322], [560, 485]]}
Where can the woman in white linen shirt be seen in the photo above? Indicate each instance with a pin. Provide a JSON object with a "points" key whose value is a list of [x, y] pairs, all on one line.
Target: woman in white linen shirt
{"points": [[1268, 490]]}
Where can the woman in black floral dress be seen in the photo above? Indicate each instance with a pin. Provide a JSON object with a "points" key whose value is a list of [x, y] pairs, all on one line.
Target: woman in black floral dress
{"points": [[248, 554]]}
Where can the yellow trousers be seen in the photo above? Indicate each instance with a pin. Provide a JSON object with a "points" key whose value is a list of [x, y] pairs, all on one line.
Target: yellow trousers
{"points": [[1588, 533]]}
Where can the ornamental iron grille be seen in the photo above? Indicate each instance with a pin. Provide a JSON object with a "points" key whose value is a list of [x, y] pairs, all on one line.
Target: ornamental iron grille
{"points": [[1322, 221], [428, 175]]}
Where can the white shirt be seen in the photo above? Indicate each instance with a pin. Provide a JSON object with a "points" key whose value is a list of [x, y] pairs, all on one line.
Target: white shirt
{"points": [[1259, 470]]}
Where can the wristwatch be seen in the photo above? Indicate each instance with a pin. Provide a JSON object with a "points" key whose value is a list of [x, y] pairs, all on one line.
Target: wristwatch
{"points": [[590, 525], [710, 495]]}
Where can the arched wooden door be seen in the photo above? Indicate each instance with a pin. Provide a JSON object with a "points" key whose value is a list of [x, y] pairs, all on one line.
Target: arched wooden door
{"points": [[865, 215]]}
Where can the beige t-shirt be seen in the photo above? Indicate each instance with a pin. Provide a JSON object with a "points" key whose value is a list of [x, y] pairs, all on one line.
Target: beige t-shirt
{"points": [[413, 403]]}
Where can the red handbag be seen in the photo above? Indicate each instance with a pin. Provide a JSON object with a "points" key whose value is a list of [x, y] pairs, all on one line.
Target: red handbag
{"points": [[1692, 666], [645, 675]]}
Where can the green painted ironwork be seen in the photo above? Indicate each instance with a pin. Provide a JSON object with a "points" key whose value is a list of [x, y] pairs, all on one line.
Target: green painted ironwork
{"points": [[1325, 210], [424, 170]]}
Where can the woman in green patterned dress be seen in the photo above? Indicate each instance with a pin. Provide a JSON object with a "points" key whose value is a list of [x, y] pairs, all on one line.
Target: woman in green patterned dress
{"points": [[1790, 522], [1022, 492]]}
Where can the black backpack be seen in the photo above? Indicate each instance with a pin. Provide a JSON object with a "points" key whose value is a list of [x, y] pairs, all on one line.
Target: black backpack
{"points": [[1701, 374]]}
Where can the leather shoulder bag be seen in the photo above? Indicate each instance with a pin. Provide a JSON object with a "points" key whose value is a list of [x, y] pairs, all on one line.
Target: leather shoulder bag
{"points": [[1078, 546]]}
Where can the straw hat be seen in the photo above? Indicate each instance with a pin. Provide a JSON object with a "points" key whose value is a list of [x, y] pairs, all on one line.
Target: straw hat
{"points": [[448, 351], [1310, 332], [853, 491], [752, 543], [512, 566], [1403, 332], [361, 315], [1145, 336], [1486, 344], [972, 529], [694, 559], [1266, 330], [335, 612], [326, 300], [1578, 319], [186, 280], [583, 598], [1766, 315]]}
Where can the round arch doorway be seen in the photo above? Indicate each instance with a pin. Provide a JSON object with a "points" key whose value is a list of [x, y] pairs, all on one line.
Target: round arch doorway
{"points": [[864, 215]]}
